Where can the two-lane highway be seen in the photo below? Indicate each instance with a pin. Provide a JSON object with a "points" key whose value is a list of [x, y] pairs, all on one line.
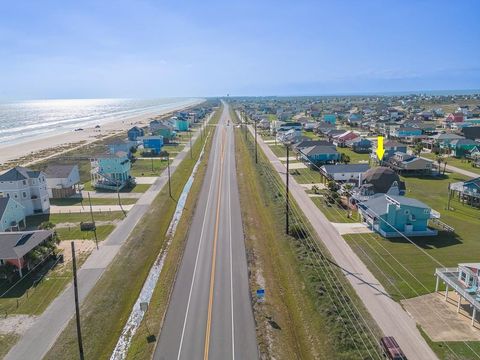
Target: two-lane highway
{"points": [[210, 314]]}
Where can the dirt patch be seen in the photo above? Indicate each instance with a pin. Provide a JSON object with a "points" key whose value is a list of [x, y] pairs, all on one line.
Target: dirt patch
{"points": [[16, 324], [439, 318], [82, 247]]}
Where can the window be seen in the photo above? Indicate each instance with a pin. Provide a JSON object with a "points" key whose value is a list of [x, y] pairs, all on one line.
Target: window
{"points": [[407, 212], [24, 194], [24, 182], [463, 276]]}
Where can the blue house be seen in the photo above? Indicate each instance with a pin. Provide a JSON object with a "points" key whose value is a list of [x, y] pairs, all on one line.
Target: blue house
{"points": [[330, 118], [468, 191], [360, 145], [391, 147], [405, 132], [180, 124], [134, 133], [396, 215], [12, 214], [111, 172], [153, 143], [321, 154]]}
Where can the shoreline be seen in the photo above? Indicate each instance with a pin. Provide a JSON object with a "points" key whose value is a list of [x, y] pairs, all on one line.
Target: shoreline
{"points": [[70, 140]]}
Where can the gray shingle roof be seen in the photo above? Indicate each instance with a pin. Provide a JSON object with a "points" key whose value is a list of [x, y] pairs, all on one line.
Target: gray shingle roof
{"points": [[19, 173], [320, 149], [14, 245], [345, 168], [59, 171], [3, 205]]}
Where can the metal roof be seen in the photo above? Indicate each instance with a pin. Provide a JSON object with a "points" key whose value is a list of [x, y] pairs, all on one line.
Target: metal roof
{"points": [[14, 245]]}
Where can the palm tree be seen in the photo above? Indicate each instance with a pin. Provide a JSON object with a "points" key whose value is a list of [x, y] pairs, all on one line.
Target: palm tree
{"points": [[439, 161], [344, 158]]}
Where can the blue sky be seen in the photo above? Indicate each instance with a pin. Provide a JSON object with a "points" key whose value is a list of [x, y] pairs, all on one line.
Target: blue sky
{"points": [[87, 49]]}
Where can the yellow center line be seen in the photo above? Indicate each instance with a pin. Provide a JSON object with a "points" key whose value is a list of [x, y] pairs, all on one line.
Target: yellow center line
{"points": [[214, 255]]}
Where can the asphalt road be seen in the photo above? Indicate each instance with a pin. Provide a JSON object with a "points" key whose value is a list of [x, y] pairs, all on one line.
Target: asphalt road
{"points": [[388, 314], [210, 314], [38, 339]]}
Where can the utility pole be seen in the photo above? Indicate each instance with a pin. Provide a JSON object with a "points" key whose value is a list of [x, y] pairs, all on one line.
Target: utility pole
{"points": [[168, 170], [190, 135], [256, 155], [152, 164], [77, 307], [93, 220], [287, 205]]}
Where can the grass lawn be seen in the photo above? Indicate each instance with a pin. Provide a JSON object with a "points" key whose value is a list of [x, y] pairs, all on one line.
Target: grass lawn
{"points": [[310, 134], [306, 176], [143, 167], [6, 342], [354, 157], [448, 248], [107, 307], [36, 291], [452, 161], [74, 233], [139, 188], [332, 211], [35, 220], [280, 151], [95, 201]]}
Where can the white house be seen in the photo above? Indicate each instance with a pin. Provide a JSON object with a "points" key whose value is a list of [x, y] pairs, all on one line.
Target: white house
{"points": [[62, 180], [27, 187], [345, 172]]}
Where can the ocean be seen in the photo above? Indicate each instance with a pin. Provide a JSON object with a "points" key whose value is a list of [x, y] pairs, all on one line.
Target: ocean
{"points": [[37, 118]]}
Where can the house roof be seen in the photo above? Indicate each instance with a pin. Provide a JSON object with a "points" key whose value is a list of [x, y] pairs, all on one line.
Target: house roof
{"points": [[320, 149], [19, 173], [379, 205], [135, 128], [463, 142], [309, 143], [446, 136], [59, 171], [14, 245], [382, 179], [346, 168], [393, 143], [3, 205]]}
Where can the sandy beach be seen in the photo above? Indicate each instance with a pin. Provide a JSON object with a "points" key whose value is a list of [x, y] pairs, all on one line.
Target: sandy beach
{"points": [[38, 147]]}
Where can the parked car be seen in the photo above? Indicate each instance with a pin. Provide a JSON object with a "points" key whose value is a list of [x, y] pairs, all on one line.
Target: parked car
{"points": [[391, 349]]}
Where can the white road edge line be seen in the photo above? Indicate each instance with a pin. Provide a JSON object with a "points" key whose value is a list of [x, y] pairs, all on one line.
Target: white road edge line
{"points": [[198, 252], [231, 257]]}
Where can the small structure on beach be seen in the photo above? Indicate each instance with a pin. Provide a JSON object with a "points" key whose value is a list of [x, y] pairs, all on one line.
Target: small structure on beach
{"points": [[111, 172], [62, 180], [27, 187]]}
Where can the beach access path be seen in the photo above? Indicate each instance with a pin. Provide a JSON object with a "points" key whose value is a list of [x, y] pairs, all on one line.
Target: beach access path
{"points": [[388, 314], [38, 339]]}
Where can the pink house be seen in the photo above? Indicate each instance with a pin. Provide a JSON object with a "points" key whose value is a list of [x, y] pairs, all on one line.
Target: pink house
{"points": [[455, 117]]}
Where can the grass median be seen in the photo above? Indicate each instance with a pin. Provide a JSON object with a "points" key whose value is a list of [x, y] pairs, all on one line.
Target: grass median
{"points": [[107, 307]]}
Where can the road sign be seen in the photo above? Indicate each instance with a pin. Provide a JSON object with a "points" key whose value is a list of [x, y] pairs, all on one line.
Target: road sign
{"points": [[260, 295], [144, 306]]}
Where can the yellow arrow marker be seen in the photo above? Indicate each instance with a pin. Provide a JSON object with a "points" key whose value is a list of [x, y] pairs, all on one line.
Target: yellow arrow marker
{"points": [[380, 149]]}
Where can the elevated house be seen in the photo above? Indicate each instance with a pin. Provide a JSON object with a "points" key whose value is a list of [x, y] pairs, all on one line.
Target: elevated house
{"points": [[165, 130], [342, 139], [62, 180], [441, 141], [345, 172], [320, 154], [467, 191], [12, 215], [360, 145], [461, 147], [122, 146], [376, 181], [134, 133], [355, 119], [409, 164], [391, 147], [290, 136], [180, 124], [330, 118], [27, 187], [457, 117], [409, 132], [153, 144], [306, 143], [464, 281], [111, 172], [394, 216], [264, 124], [15, 246]]}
